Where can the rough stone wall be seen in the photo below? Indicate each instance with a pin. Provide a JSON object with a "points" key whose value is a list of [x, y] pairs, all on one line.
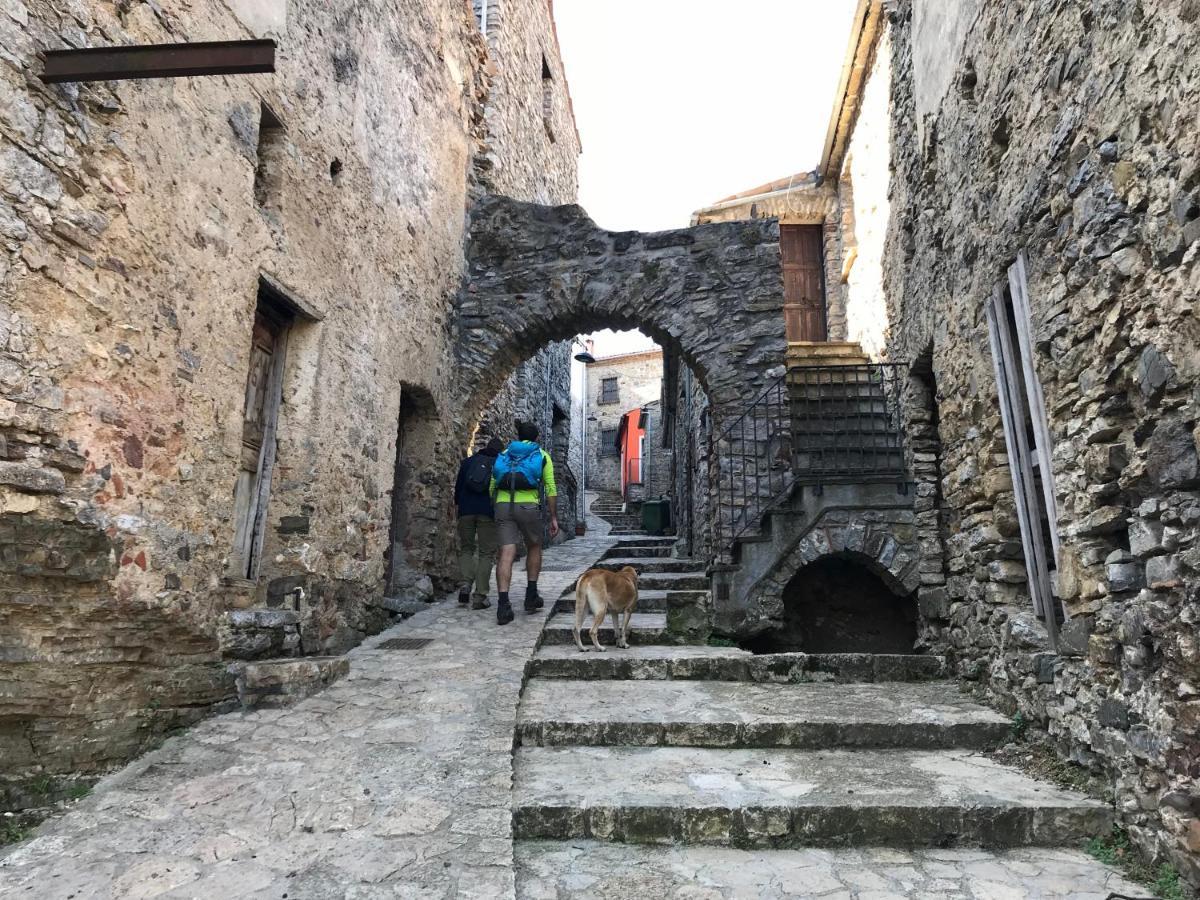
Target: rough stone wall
{"points": [[133, 245], [656, 460], [639, 381], [1070, 132]]}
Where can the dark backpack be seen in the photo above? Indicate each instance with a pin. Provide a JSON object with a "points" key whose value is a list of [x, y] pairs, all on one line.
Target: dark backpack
{"points": [[478, 477]]}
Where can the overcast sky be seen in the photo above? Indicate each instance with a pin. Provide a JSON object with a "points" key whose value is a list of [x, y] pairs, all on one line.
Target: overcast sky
{"points": [[683, 102]]}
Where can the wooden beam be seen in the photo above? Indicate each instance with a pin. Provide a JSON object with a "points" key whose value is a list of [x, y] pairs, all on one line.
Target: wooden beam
{"points": [[159, 61]]}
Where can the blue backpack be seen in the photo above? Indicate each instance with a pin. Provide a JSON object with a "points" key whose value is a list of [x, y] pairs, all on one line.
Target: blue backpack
{"points": [[519, 468]]}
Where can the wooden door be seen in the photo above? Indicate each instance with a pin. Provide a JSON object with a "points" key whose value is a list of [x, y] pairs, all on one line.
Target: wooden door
{"points": [[803, 282], [261, 410]]}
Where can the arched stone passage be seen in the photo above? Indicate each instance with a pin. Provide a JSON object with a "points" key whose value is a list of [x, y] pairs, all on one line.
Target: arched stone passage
{"points": [[712, 293]]}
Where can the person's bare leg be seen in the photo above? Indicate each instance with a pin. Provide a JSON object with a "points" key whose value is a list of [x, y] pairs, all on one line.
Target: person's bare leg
{"points": [[533, 562], [504, 566]]}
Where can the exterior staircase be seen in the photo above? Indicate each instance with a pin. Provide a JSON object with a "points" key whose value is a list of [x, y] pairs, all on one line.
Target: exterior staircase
{"points": [[612, 508], [665, 752]]}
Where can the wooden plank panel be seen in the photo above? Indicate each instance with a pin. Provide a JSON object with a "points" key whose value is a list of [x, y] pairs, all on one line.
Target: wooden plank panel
{"points": [[803, 282], [1012, 413], [1019, 288]]}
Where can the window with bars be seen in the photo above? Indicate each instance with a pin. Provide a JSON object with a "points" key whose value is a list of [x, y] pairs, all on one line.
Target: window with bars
{"points": [[608, 390], [608, 442]]}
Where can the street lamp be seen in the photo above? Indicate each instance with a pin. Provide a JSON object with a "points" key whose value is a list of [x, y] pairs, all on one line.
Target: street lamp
{"points": [[587, 359]]}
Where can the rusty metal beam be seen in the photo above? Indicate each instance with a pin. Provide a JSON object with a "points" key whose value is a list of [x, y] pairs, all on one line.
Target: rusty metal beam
{"points": [[159, 61]]}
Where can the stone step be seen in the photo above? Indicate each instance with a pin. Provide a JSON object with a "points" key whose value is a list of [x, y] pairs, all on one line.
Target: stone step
{"points": [[644, 628], [656, 551], [651, 663], [281, 682], [584, 870], [672, 581], [648, 564], [648, 601], [925, 716], [791, 798], [645, 540]]}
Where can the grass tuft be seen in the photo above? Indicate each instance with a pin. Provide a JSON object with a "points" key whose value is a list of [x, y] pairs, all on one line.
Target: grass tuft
{"points": [[1116, 850]]}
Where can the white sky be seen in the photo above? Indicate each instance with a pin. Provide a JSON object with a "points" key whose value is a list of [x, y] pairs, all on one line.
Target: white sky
{"points": [[682, 102]]}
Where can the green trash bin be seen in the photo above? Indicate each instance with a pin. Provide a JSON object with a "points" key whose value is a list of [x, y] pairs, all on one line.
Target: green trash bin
{"points": [[656, 516]]}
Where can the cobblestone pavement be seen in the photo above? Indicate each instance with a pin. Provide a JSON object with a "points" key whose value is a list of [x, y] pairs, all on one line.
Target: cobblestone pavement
{"points": [[584, 869], [395, 782]]}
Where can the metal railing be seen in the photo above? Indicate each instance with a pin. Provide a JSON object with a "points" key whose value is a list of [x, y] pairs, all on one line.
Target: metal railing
{"points": [[846, 421], [815, 424], [750, 466]]}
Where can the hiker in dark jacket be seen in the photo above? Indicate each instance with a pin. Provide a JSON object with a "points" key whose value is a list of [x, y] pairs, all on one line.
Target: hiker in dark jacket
{"points": [[476, 524]]}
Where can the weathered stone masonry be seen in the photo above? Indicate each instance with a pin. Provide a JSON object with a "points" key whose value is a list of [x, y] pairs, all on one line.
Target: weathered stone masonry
{"points": [[138, 220], [1070, 133]]}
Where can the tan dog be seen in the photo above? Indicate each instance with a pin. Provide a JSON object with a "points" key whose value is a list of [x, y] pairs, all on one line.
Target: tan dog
{"points": [[606, 591]]}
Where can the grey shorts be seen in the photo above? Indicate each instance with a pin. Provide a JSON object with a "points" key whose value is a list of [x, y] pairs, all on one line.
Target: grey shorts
{"points": [[518, 518]]}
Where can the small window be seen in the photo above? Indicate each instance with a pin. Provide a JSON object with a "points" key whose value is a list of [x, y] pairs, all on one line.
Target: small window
{"points": [[547, 99], [608, 442], [268, 172], [608, 390]]}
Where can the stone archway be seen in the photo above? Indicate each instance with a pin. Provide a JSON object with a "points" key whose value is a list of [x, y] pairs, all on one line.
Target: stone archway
{"points": [[881, 540], [537, 274]]}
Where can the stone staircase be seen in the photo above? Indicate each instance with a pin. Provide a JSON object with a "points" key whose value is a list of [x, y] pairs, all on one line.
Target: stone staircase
{"points": [[612, 508], [684, 748]]}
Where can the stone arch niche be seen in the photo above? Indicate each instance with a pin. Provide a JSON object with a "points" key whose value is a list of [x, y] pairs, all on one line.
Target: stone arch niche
{"points": [[856, 569], [538, 274]]}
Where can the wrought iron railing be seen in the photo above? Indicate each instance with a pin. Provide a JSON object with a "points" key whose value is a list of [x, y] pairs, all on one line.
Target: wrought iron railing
{"points": [[815, 424], [846, 421], [751, 466]]}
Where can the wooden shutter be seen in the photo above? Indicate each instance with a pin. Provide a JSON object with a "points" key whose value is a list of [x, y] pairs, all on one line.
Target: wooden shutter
{"points": [[1014, 413]]}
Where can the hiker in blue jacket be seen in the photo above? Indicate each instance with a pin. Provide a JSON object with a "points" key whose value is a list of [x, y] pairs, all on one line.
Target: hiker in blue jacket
{"points": [[476, 524]]}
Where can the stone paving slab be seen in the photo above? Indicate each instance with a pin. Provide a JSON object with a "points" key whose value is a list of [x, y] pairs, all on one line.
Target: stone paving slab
{"points": [[644, 628], [650, 662], [589, 870], [782, 798], [394, 782], [732, 714]]}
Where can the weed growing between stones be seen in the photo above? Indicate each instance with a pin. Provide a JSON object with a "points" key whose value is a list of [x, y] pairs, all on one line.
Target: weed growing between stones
{"points": [[11, 833], [714, 641], [1116, 850], [1020, 727]]}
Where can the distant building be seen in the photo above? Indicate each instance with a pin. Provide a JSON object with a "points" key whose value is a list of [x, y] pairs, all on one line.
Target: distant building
{"points": [[618, 389]]}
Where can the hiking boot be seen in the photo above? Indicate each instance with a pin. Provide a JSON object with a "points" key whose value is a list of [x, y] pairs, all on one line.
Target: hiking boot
{"points": [[532, 601], [463, 598], [504, 613], [480, 601]]}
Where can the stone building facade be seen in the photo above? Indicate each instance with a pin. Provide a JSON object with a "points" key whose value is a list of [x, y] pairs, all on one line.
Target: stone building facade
{"points": [[1047, 166], [182, 253], [616, 385]]}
